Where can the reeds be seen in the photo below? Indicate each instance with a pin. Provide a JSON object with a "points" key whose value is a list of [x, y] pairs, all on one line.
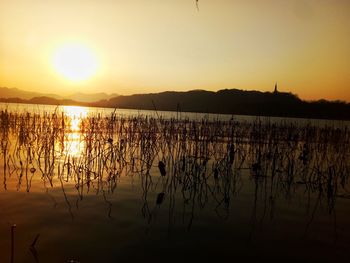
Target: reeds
{"points": [[200, 159]]}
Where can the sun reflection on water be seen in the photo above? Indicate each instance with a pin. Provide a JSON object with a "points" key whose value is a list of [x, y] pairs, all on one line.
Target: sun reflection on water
{"points": [[75, 114], [73, 143]]}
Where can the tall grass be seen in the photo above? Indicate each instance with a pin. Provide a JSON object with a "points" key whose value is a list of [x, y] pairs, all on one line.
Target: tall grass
{"points": [[201, 159]]}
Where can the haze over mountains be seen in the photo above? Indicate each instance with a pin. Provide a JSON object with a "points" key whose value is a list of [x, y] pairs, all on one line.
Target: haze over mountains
{"points": [[78, 96], [228, 101]]}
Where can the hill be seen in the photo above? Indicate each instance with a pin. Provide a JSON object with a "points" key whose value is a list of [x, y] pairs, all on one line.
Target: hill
{"points": [[233, 101], [227, 101]]}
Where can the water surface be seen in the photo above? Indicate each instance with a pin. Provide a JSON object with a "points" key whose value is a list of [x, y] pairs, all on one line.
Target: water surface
{"points": [[234, 188]]}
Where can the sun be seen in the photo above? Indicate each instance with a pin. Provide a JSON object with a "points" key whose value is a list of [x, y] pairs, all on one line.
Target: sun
{"points": [[75, 62]]}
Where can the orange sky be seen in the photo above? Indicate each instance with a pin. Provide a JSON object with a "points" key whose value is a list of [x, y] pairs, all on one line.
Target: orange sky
{"points": [[157, 45]]}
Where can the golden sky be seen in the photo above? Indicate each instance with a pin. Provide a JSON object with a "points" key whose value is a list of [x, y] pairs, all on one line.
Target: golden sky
{"points": [[146, 46]]}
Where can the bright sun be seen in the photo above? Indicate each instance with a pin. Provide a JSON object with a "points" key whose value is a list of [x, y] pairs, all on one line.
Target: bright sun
{"points": [[75, 62]]}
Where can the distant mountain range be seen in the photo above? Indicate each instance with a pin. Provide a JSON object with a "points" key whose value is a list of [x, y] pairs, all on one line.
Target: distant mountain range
{"points": [[6, 93], [228, 101], [90, 97]]}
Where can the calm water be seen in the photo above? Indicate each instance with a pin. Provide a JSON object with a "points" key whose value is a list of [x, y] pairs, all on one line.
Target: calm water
{"points": [[39, 109], [97, 194]]}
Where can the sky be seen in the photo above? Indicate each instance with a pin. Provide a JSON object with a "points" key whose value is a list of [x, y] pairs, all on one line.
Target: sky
{"points": [[141, 46]]}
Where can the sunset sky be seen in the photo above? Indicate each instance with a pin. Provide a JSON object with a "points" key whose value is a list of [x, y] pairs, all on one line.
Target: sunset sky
{"points": [[142, 46]]}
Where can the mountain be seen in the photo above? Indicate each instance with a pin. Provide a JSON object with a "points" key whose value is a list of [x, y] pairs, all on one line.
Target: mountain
{"points": [[79, 96], [90, 97], [227, 101], [233, 101], [22, 94], [44, 100], [52, 101]]}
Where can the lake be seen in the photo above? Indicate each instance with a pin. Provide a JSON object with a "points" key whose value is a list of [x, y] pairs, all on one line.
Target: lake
{"points": [[103, 185]]}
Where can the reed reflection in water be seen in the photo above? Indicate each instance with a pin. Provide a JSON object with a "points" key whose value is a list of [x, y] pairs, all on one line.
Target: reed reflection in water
{"points": [[173, 174]]}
